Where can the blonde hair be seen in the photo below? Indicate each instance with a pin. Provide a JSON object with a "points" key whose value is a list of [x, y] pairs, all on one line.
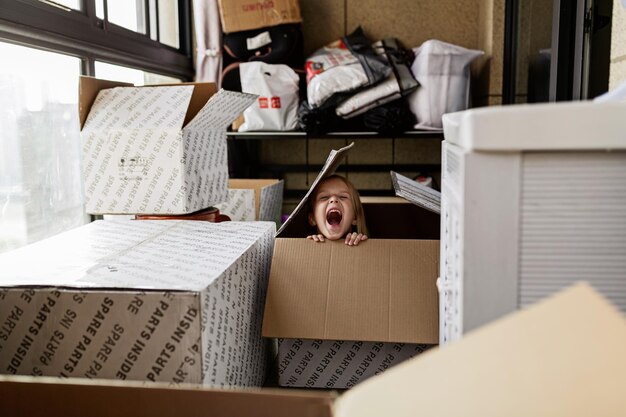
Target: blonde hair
{"points": [[359, 213]]}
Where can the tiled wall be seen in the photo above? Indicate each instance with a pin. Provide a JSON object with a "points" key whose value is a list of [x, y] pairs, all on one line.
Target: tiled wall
{"points": [[617, 73], [475, 24]]}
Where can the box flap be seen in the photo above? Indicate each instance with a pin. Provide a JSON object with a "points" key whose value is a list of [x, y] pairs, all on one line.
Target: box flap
{"points": [[383, 291], [202, 92], [254, 184], [335, 158], [88, 88], [24, 396], [561, 357], [221, 109], [136, 108], [416, 193], [157, 254]]}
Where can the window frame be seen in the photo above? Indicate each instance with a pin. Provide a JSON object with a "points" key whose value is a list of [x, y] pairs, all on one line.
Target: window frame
{"points": [[82, 34]]}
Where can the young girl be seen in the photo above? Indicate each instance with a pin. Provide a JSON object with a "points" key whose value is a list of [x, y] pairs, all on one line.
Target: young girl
{"points": [[335, 210]]}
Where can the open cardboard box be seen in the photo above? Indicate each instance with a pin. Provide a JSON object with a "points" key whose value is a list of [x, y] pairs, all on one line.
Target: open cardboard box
{"points": [[155, 149], [171, 301], [561, 357], [253, 199], [342, 314]]}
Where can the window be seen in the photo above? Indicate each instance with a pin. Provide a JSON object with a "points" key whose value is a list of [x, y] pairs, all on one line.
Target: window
{"points": [[45, 46]]}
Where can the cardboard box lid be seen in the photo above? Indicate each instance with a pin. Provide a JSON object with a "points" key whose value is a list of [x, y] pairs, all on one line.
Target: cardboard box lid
{"points": [[253, 184], [383, 291], [416, 193], [573, 125], [335, 158], [128, 254], [25, 396], [561, 357]]}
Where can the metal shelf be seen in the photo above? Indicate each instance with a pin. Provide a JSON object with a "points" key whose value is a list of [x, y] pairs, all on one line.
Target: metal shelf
{"points": [[415, 134]]}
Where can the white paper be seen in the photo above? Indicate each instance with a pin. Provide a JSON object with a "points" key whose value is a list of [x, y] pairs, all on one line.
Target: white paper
{"points": [[221, 110], [416, 193], [271, 204], [240, 205]]}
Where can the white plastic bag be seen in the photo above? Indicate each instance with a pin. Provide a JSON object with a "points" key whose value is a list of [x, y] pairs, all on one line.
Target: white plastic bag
{"points": [[277, 105], [442, 69]]}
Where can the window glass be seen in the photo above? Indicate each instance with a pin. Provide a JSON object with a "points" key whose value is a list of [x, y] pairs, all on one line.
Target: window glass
{"points": [[40, 177], [128, 14], [130, 75], [168, 23], [72, 4], [153, 20]]}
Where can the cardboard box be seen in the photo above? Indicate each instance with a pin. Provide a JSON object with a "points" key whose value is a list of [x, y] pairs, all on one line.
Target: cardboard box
{"points": [[239, 15], [175, 301], [155, 150], [531, 363], [251, 199], [360, 310]]}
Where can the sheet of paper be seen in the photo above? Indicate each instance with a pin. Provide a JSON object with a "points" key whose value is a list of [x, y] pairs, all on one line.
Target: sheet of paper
{"points": [[416, 193]]}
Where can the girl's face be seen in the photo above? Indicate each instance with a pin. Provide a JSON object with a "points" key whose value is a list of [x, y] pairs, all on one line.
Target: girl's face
{"points": [[333, 209]]}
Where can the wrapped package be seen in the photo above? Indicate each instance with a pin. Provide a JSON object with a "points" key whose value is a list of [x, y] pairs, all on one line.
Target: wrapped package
{"points": [[344, 66], [442, 69], [398, 84]]}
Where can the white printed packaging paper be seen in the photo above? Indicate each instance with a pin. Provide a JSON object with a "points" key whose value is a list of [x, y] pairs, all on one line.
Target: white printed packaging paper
{"points": [[172, 301], [442, 70], [337, 363], [139, 158], [254, 199]]}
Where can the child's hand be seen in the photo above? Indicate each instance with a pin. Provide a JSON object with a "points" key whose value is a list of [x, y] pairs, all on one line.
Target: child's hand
{"points": [[316, 238], [353, 239]]}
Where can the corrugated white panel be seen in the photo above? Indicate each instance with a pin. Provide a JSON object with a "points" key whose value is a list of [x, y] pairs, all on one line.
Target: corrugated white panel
{"points": [[450, 281], [573, 223]]}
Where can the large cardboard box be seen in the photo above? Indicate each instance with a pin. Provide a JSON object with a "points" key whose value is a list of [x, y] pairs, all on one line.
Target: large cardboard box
{"points": [[153, 300], [532, 200], [531, 363], [240, 15], [342, 314], [253, 199], [155, 149]]}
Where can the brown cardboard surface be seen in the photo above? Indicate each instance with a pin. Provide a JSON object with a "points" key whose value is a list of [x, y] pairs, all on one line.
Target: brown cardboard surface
{"points": [[379, 291], [239, 15], [27, 396], [561, 357]]}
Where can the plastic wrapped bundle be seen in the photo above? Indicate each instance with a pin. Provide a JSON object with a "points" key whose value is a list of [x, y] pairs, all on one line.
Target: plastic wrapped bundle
{"points": [[442, 69]]}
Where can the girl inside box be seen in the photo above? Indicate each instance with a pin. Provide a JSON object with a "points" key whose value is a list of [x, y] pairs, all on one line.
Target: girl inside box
{"points": [[336, 212]]}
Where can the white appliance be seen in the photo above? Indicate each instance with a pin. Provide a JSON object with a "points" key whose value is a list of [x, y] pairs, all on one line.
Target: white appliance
{"points": [[533, 199]]}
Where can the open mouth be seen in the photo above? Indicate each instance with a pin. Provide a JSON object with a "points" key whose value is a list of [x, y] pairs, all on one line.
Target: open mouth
{"points": [[333, 217]]}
